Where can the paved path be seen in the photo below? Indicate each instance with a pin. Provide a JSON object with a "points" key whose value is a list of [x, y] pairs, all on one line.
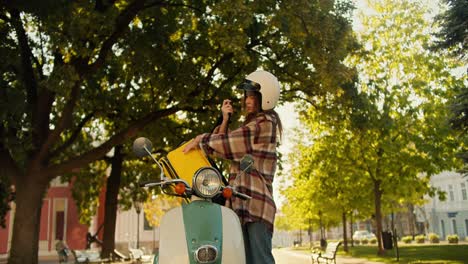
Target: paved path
{"points": [[285, 256], [282, 256]]}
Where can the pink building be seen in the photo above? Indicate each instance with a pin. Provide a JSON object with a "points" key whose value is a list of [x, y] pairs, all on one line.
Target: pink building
{"points": [[59, 219]]}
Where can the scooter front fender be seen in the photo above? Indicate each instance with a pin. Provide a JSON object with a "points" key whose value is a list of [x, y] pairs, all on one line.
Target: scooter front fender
{"points": [[198, 225]]}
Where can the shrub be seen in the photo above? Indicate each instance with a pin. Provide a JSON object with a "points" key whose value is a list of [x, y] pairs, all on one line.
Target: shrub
{"points": [[364, 241], [452, 239], [433, 238], [407, 239], [420, 239], [373, 240], [357, 242]]}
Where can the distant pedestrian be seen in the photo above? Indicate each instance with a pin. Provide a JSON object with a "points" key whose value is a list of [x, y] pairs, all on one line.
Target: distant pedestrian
{"points": [[62, 251]]}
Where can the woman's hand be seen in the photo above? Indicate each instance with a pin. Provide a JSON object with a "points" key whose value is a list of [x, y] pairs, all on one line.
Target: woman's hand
{"points": [[226, 109], [192, 144]]}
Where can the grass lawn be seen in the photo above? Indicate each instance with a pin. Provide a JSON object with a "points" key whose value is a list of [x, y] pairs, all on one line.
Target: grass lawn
{"points": [[414, 253]]}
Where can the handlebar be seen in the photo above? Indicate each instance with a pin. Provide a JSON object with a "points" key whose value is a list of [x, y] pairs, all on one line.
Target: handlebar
{"points": [[163, 182], [238, 194]]}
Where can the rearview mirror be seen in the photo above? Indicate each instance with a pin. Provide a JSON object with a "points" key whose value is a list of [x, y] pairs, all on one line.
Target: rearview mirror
{"points": [[142, 147], [246, 163]]}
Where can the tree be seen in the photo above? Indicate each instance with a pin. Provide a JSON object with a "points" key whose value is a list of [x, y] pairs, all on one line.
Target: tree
{"points": [[459, 122], [389, 128], [453, 22], [401, 102], [79, 78], [156, 207], [453, 37]]}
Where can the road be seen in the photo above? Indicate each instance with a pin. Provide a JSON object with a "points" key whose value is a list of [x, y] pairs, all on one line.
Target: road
{"points": [[285, 256], [282, 256]]}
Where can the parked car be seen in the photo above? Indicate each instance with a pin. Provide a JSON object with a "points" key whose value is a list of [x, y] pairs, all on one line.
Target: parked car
{"points": [[361, 234]]}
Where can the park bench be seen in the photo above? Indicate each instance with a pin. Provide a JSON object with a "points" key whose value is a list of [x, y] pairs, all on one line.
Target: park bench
{"points": [[328, 256], [139, 256], [88, 256]]}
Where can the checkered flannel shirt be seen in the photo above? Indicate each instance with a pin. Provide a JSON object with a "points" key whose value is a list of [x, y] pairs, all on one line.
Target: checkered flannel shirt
{"points": [[257, 138]]}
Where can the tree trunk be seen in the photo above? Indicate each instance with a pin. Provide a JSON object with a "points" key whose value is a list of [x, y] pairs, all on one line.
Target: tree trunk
{"points": [[378, 216], [112, 192], [411, 220], [351, 231], [25, 241], [345, 234]]}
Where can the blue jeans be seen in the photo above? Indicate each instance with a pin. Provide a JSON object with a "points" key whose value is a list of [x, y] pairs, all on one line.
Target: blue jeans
{"points": [[257, 243]]}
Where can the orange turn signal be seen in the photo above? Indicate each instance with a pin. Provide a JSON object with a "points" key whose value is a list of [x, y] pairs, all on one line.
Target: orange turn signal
{"points": [[179, 188], [227, 193]]}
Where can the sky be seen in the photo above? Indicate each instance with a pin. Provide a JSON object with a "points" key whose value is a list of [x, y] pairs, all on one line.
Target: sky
{"points": [[290, 120]]}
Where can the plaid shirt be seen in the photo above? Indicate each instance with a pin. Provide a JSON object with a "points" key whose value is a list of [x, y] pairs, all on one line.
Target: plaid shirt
{"points": [[257, 138]]}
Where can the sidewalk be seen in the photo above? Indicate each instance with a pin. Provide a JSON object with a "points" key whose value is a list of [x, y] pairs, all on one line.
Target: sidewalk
{"points": [[351, 260], [288, 256], [339, 259]]}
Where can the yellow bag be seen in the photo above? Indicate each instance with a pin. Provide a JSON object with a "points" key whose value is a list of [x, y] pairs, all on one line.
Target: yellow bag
{"points": [[184, 165]]}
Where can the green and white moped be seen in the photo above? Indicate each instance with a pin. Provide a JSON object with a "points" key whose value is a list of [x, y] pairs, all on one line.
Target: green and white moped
{"points": [[200, 230]]}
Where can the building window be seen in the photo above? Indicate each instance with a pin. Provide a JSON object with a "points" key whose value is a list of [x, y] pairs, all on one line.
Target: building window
{"points": [[463, 191], [454, 226], [60, 219], [452, 197]]}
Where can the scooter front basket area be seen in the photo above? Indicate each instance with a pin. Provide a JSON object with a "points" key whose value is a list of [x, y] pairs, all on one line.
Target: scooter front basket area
{"points": [[184, 165]]}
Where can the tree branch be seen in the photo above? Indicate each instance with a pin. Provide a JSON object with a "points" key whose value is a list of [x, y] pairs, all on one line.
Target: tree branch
{"points": [[26, 55], [73, 137], [8, 167], [167, 4], [96, 153], [305, 100], [27, 73], [121, 25], [63, 123]]}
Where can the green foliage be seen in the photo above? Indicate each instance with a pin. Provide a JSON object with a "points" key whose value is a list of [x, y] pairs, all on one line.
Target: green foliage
{"points": [[452, 239], [387, 133], [415, 254], [407, 239], [453, 25], [79, 78], [420, 239], [459, 122], [87, 184], [374, 147], [373, 240], [433, 238]]}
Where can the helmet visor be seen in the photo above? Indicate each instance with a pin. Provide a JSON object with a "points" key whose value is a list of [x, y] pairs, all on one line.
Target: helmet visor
{"points": [[248, 85]]}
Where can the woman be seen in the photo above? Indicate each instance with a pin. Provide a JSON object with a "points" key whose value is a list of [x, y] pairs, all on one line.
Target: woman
{"points": [[258, 138]]}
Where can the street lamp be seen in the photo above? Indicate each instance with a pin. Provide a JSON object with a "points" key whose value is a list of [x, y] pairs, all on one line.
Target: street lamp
{"points": [[138, 206]]}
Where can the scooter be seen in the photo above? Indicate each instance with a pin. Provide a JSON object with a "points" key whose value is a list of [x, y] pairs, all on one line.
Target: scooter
{"points": [[200, 230]]}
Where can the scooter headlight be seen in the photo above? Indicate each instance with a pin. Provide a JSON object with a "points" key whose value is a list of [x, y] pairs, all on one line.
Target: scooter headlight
{"points": [[206, 254], [206, 182]]}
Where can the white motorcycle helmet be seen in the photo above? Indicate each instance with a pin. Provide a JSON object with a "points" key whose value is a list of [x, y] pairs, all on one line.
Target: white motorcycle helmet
{"points": [[266, 84]]}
